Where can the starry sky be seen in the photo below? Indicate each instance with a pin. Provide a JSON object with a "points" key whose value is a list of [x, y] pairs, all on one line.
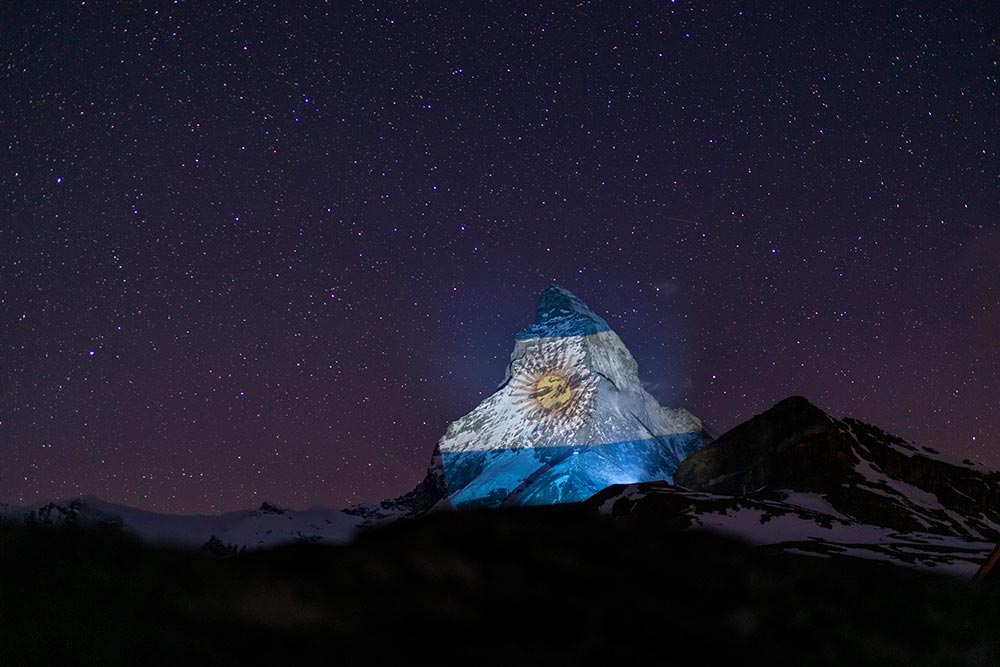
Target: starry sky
{"points": [[254, 252]]}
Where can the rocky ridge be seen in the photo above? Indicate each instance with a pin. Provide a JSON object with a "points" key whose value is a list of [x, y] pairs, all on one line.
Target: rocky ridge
{"points": [[797, 479]]}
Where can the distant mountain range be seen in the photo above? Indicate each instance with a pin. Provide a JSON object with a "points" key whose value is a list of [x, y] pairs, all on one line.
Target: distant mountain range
{"points": [[266, 526], [570, 424]]}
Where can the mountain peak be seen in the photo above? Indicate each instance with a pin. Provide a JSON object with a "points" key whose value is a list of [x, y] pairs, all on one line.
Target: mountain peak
{"points": [[793, 412], [561, 313]]}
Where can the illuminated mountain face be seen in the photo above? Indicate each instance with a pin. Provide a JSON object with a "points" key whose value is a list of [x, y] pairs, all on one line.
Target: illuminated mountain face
{"points": [[570, 419]]}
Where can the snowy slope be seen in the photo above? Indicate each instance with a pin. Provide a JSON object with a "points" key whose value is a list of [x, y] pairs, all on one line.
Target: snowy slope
{"points": [[802, 524], [264, 527]]}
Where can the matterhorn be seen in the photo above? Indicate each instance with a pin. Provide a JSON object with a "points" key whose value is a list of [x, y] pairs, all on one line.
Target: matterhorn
{"points": [[569, 419]]}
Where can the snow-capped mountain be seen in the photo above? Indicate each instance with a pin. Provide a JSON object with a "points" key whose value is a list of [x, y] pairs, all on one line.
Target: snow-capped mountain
{"points": [[802, 481]]}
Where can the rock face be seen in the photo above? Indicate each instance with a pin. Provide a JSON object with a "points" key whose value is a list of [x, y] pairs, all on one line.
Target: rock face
{"points": [[569, 419]]}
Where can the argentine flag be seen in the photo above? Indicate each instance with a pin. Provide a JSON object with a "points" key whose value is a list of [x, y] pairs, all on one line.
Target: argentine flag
{"points": [[570, 419]]}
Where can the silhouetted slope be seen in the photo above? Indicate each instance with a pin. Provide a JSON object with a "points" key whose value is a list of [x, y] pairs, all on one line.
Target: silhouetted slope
{"points": [[526, 586]]}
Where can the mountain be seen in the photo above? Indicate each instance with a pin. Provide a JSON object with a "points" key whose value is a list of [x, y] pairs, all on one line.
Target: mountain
{"points": [[569, 419], [799, 480], [264, 527], [792, 479]]}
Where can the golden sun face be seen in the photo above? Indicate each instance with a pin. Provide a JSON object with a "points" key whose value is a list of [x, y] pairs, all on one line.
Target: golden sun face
{"points": [[554, 391]]}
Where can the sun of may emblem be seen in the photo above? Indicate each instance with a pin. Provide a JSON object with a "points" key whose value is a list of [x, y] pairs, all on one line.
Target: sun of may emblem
{"points": [[554, 391]]}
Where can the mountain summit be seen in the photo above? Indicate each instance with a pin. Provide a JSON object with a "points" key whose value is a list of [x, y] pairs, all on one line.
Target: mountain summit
{"points": [[560, 313], [569, 419]]}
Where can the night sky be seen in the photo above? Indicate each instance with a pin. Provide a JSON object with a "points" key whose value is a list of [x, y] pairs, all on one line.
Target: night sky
{"points": [[260, 253]]}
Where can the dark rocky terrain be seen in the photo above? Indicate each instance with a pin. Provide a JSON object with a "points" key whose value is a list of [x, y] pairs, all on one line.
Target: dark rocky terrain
{"points": [[522, 586], [795, 479], [862, 471]]}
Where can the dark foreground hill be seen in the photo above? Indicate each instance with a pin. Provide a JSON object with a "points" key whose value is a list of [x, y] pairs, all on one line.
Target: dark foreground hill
{"points": [[526, 586]]}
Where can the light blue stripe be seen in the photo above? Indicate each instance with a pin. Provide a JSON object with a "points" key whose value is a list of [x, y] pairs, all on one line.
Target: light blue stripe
{"points": [[552, 475]]}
